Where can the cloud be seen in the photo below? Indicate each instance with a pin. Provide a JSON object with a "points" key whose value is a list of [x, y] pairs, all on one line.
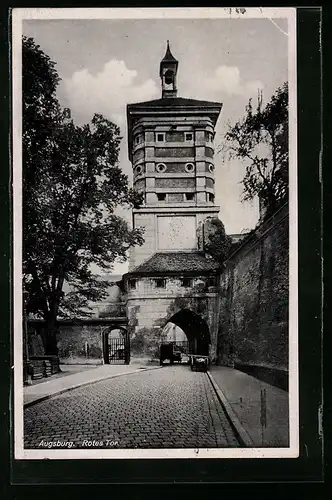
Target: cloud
{"points": [[107, 92], [228, 79]]}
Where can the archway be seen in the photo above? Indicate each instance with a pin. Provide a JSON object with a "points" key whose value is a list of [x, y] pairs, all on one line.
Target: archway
{"points": [[116, 347], [173, 333], [195, 329]]}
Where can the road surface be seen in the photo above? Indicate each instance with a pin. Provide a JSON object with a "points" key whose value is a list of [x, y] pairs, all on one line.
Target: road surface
{"points": [[171, 407]]}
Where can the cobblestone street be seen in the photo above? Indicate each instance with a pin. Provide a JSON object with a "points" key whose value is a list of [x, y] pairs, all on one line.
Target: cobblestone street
{"points": [[171, 407]]}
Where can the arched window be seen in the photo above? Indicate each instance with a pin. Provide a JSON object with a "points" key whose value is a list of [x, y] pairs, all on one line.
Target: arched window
{"points": [[169, 75]]}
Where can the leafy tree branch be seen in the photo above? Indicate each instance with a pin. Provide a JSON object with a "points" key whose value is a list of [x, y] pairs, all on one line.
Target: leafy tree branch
{"points": [[260, 141], [72, 186]]}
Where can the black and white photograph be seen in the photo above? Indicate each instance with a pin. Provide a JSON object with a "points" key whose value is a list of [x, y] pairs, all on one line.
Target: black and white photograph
{"points": [[155, 233]]}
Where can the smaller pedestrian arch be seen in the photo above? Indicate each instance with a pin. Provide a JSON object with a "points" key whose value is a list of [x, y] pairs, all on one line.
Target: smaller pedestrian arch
{"points": [[116, 345]]}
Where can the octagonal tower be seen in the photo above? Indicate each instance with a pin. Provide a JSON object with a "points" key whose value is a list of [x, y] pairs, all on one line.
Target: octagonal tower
{"points": [[171, 148]]}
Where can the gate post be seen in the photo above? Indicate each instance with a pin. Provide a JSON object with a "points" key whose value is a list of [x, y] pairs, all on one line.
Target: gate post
{"points": [[105, 347], [127, 348]]}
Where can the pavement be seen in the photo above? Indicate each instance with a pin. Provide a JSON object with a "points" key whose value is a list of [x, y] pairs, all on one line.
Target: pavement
{"points": [[171, 405], [75, 376], [242, 395], [168, 407]]}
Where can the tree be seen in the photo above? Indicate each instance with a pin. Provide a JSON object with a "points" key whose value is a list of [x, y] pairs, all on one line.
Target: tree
{"points": [[215, 240], [260, 140], [72, 185]]}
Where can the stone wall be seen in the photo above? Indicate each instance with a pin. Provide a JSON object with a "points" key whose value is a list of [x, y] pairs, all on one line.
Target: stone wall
{"points": [[175, 183], [253, 329], [150, 308], [80, 344], [152, 231], [141, 253]]}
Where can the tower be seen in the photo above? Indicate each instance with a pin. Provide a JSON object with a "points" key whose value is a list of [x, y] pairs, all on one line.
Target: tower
{"points": [[171, 148]]}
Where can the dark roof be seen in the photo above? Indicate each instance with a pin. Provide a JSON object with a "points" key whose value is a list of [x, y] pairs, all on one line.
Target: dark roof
{"points": [[176, 262], [175, 101], [167, 105], [168, 57]]}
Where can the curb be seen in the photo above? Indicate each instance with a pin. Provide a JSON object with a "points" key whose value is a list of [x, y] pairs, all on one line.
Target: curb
{"points": [[242, 434], [76, 386]]}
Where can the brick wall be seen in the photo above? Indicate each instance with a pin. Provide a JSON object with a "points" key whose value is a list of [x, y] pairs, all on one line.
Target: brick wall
{"points": [[183, 152], [253, 327], [209, 152], [175, 197], [210, 183], [176, 168], [140, 185], [138, 155], [174, 136], [175, 183]]}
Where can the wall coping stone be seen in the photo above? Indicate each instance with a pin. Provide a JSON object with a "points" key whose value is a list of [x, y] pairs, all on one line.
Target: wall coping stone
{"points": [[259, 233]]}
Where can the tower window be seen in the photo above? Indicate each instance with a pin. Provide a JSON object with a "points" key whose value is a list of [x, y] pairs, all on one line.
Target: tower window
{"points": [[187, 282], [137, 139], [211, 197], [138, 170], [211, 168], [161, 196], [189, 167], [189, 196], [161, 167], [132, 284], [160, 137], [160, 283], [189, 136], [169, 77]]}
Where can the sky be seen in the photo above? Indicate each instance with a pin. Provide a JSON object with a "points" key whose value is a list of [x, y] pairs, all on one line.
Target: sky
{"points": [[106, 64]]}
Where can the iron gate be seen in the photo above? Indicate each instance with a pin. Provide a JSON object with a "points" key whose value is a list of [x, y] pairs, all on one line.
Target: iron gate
{"points": [[118, 349]]}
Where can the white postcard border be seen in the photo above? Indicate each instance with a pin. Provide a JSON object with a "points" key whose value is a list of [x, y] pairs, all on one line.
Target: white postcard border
{"points": [[20, 14]]}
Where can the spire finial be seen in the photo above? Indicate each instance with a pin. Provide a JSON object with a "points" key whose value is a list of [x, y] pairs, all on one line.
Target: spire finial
{"points": [[168, 57]]}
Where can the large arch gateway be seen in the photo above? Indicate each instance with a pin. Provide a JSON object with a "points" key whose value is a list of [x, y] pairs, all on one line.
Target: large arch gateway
{"points": [[195, 329]]}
